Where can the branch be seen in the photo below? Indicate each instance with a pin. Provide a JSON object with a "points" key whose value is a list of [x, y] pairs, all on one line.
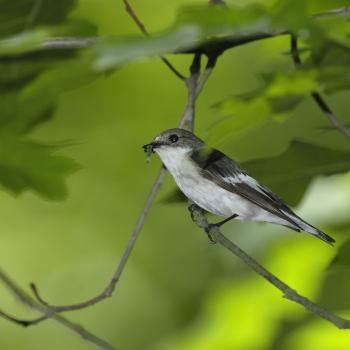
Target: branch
{"points": [[195, 84], [214, 46], [217, 45], [129, 9], [186, 121], [27, 300], [326, 110], [214, 233], [108, 291]]}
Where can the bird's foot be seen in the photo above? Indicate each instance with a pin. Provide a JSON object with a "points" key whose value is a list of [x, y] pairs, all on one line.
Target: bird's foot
{"points": [[209, 230], [192, 208]]}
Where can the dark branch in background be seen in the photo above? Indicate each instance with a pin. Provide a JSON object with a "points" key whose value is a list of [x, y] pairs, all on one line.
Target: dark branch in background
{"points": [[27, 300], [214, 233], [215, 45], [129, 9], [316, 95]]}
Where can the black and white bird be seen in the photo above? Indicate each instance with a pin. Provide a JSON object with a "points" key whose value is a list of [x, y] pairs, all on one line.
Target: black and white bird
{"points": [[217, 184]]}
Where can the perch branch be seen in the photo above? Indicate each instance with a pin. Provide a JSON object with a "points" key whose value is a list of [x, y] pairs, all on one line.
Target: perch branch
{"points": [[130, 10], [27, 300], [326, 110], [214, 233]]}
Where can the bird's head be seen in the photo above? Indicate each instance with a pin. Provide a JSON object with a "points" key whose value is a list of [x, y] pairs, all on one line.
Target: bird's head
{"points": [[172, 139]]}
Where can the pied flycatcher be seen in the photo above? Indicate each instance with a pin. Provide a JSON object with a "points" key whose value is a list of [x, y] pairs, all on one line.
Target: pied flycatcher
{"points": [[219, 185]]}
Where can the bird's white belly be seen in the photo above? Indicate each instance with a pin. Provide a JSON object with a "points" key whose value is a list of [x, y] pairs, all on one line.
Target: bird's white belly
{"points": [[205, 193], [215, 199]]}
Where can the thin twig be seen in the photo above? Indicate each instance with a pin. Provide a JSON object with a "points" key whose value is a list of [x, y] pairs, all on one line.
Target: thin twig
{"points": [[207, 72], [214, 233], [27, 300], [319, 100], [186, 121], [129, 9], [344, 11], [108, 291]]}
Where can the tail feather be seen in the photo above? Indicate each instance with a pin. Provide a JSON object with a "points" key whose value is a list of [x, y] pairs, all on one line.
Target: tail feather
{"points": [[304, 226], [319, 234]]}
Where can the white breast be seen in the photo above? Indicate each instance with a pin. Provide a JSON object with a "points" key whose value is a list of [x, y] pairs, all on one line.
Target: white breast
{"points": [[203, 192]]}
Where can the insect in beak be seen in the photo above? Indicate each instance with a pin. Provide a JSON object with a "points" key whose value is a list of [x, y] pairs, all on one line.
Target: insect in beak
{"points": [[149, 149]]}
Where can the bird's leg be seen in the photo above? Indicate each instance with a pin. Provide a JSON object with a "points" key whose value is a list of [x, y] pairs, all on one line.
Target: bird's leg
{"points": [[195, 208], [220, 223], [217, 225]]}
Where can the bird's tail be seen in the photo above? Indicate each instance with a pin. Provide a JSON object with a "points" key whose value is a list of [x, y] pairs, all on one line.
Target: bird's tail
{"points": [[304, 226], [319, 234]]}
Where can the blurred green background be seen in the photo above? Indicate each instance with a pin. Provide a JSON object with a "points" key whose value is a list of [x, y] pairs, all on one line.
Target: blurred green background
{"points": [[178, 291]]}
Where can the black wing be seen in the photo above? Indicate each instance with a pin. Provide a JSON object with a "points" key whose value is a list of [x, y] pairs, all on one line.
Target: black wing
{"points": [[226, 173]]}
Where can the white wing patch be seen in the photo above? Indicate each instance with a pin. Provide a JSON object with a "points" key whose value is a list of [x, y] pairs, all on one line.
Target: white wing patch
{"points": [[246, 179]]}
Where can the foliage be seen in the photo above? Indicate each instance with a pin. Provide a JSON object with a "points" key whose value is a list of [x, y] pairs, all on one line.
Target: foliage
{"points": [[262, 114]]}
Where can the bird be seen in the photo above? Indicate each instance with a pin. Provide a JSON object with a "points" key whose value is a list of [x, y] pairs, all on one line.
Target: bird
{"points": [[219, 185]]}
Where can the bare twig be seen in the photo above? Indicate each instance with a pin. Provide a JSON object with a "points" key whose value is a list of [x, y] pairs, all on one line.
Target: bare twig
{"points": [[207, 72], [214, 233], [26, 299], [195, 84], [129, 9], [108, 291], [186, 121], [319, 100]]}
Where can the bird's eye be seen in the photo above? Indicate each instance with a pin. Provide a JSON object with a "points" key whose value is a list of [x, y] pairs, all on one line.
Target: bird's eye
{"points": [[173, 138]]}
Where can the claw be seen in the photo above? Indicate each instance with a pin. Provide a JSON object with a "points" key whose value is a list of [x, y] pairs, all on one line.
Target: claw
{"points": [[208, 229]]}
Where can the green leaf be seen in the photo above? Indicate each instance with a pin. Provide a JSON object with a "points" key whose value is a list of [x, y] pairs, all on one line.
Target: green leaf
{"points": [[290, 173], [27, 165], [113, 52], [275, 100], [30, 84], [21, 15]]}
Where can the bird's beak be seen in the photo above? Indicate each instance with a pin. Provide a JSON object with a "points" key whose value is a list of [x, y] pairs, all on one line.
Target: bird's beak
{"points": [[149, 148]]}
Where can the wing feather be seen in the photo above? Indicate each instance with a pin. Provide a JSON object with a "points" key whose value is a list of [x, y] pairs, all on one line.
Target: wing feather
{"points": [[226, 173]]}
